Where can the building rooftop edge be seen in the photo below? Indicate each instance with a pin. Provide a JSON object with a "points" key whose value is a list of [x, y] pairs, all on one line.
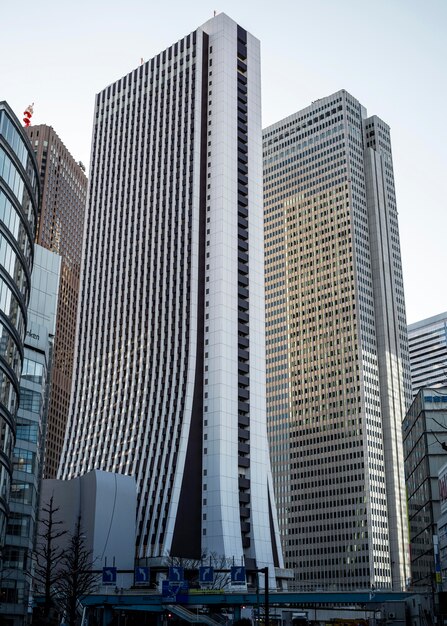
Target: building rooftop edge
{"points": [[307, 108], [221, 15], [427, 321], [50, 128]]}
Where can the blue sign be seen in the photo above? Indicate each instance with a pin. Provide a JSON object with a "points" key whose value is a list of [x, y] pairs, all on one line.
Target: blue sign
{"points": [[175, 592], [182, 592], [166, 589], [109, 575], [206, 574], [142, 575], [175, 574], [238, 575]]}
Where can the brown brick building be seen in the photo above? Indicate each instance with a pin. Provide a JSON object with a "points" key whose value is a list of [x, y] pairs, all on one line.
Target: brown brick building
{"points": [[64, 191]]}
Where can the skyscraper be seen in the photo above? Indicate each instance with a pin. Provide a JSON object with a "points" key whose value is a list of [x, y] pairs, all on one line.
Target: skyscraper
{"points": [[61, 226], [27, 458], [19, 204], [170, 363], [337, 352], [424, 432], [427, 342]]}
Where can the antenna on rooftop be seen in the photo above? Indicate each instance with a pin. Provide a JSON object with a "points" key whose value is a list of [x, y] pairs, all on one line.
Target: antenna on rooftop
{"points": [[28, 113]]}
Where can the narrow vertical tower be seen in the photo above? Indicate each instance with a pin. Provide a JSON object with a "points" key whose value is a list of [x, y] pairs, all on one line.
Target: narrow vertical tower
{"points": [[170, 368], [60, 230], [337, 351], [391, 333]]}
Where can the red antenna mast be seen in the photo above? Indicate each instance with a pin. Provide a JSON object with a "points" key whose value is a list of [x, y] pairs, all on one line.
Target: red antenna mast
{"points": [[28, 113]]}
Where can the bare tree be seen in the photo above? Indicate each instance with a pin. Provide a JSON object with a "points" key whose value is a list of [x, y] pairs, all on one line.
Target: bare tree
{"points": [[218, 563], [75, 579], [222, 579], [49, 551]]}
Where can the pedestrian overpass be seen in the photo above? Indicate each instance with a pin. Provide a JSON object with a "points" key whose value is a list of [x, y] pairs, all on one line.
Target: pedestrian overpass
{"points": [[190, 606]]}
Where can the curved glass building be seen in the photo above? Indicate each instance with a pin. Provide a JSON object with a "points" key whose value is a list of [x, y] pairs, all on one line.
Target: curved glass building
{"points": [[19, 194]]}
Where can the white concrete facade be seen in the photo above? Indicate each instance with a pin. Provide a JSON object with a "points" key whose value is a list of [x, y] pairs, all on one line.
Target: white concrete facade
{"points": [[427, 341], [170, 367], [105, 504]]}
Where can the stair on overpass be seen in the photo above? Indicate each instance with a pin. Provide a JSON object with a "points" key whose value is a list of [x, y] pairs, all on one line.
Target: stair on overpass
{"points": [[192, 616]]}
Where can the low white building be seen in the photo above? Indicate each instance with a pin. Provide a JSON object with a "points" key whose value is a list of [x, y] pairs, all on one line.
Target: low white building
{"points": [[106, 504]]}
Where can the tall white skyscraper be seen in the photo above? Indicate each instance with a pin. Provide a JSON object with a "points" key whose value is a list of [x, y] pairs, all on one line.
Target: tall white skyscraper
{"points": [[338, 378], [169, 380]]}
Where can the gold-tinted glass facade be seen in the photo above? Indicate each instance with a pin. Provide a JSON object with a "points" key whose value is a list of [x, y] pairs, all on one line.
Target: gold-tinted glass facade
{"points": [[328, 415]]}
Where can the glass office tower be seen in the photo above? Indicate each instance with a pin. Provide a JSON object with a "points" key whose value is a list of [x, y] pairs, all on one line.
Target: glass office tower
{"points": [[19, 200], [338, 378]]}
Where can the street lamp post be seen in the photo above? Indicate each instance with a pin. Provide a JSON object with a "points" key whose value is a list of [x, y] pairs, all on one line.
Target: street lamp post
{"points": [[265, 571]]}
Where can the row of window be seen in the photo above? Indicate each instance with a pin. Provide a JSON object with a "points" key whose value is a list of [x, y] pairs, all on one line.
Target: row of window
{"points": [[12, 264], [18, 146], [16, 183]]}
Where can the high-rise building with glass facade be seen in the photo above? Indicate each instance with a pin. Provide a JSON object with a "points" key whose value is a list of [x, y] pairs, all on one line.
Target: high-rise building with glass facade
{"points": [[338, 379], [427, 341], [169, 381], [27, 459], [61, 227], [19, 202], [424, 432]]}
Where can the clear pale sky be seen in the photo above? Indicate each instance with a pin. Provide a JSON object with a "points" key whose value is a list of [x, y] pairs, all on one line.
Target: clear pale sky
{"points": [[389, 54]]}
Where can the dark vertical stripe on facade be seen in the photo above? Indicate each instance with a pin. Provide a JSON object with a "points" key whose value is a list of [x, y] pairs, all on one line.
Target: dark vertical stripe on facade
{"points": [[243, 283], [187, 537], [272, 533]]}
